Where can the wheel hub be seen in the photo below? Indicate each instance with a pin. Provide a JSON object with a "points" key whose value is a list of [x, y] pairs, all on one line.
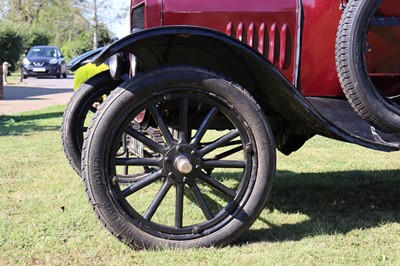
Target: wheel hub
{"points": [[181, 163]]}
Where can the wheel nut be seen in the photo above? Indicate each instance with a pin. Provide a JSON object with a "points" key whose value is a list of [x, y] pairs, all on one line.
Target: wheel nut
{"points": [[196, 230], [248, 149]]}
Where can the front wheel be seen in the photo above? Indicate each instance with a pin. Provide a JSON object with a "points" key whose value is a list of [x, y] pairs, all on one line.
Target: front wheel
{"points": [[80, 109], [209, 178]]}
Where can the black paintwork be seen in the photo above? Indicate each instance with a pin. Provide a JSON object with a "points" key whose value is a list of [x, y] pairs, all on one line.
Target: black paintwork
{"points": [[83, 59]]}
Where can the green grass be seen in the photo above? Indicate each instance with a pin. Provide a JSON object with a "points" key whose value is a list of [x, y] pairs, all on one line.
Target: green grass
{"points": [[332, 204]]}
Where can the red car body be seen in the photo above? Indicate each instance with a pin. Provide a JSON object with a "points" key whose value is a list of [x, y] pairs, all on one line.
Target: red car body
{"points": [[298, 37]]}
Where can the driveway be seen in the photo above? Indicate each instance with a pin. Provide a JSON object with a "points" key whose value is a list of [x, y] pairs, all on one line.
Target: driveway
{"points": [[35, 93]]}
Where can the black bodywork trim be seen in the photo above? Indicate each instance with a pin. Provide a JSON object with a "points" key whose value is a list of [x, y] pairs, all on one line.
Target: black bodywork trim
{"points": [[83, 59], [198, 46]]}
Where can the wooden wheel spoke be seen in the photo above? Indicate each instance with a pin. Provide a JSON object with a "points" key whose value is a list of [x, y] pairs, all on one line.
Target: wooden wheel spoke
{"points": [[204, 126], [145, 140], [145, 181], [157, 200], [183, 121], [161, 124], [224, 164], [179, 205], [201, 201], [218, 185], [219, 142], [138, 161]]}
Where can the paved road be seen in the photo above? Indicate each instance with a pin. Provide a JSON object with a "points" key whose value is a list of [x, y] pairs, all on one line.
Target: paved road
{"points": [[35, 93]]}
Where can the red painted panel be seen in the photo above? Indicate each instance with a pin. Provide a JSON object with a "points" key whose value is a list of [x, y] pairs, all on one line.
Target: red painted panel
{"points": [[249, 22], [256, 6], [153, 13], [245, 21], [317, 64]]}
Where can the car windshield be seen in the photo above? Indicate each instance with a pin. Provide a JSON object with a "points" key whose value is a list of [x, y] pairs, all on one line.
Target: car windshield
{"points": [[42, 52]]}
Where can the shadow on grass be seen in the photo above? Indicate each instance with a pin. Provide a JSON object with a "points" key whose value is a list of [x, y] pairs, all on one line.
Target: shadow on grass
{"points": [[25, 124], [335, 203]]}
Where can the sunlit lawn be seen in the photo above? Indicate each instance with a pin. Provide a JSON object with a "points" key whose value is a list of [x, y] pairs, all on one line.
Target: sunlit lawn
{"points": [[332, 203]]}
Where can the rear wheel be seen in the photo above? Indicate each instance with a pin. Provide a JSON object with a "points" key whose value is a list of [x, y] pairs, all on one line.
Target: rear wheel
{"points": [[367, 52], [210, 178]]}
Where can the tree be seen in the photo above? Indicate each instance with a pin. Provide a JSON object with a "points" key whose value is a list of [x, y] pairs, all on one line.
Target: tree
{"points": [[22, 10], [69, 24], [98, 12]]}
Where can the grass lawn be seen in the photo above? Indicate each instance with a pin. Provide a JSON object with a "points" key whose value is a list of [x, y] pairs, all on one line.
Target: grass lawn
{"points": [[332, 204]]}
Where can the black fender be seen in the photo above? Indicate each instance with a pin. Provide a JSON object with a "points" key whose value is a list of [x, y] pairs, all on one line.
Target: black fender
{"points": [[214, 50], [83, 59]]}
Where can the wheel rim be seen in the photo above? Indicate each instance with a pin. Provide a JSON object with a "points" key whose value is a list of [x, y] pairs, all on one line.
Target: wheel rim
{"points": [[198, 183]]}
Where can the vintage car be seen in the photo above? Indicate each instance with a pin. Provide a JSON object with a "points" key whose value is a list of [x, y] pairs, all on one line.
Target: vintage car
{"points": [[201, 94]]}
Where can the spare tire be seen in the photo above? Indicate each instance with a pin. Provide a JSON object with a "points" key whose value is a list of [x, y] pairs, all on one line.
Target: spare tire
{"points": [[378, 107]]}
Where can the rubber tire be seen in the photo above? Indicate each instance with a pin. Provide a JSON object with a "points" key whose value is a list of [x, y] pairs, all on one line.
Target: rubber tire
{"points": [[116, 109], [358, 88], [88, 93]]}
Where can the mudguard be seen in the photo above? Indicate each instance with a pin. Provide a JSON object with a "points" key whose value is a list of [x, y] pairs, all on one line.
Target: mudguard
{"points": [[83, 59], [216, 51]]}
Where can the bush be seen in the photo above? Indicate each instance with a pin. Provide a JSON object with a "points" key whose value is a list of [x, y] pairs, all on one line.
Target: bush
{"points": [[11, 45], [16, 39], [85, 72]]}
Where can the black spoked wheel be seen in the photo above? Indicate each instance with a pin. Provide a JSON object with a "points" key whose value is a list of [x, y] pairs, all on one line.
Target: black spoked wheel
{"points": [[79, 112], [367, 57], [205, 183]]}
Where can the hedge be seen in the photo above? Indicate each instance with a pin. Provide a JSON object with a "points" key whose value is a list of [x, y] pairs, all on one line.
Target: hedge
{"points": [[85, 72]]}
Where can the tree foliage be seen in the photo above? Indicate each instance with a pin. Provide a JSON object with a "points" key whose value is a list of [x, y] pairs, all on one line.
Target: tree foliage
{"points": [[11, 44], [68, 24]]}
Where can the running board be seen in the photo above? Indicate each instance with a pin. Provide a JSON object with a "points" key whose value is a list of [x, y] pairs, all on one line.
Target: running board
{"points": [[341, 115]]}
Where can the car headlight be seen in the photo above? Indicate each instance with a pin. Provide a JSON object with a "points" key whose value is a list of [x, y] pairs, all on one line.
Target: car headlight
{"points": [[53, 61], [115, 65], [25, 61], [133, 65]]}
